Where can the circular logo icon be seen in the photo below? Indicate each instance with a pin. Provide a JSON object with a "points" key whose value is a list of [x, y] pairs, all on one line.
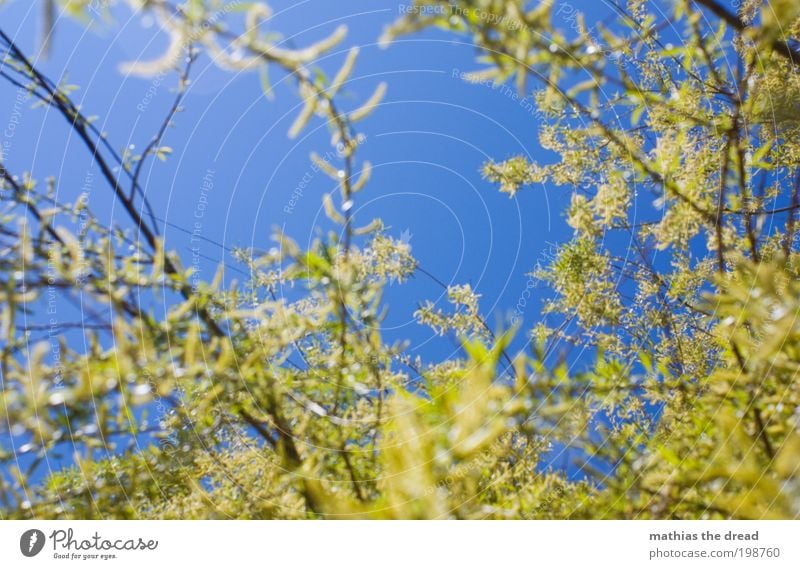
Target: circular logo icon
{"points": [[31, 542]]}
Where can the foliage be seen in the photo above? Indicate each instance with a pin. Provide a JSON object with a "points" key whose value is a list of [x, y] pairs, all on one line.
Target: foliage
{"points": [[240, 403]]}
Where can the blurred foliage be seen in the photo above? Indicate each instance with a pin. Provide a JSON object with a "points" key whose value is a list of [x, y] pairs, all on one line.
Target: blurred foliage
{"points": [[242, 401]]}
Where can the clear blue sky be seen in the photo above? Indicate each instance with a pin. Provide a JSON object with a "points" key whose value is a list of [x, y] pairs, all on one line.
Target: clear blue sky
{"points": [[427, 142]]}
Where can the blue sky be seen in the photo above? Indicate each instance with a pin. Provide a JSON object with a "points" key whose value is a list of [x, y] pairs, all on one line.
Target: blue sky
{"points": [[234, 171], [426, 141]]}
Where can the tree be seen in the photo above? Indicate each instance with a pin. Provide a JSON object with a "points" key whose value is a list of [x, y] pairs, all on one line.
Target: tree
{"points": [[267, 407]]}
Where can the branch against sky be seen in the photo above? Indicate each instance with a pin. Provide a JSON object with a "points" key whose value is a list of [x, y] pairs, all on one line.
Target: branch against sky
{"points": [[285, 393]]}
